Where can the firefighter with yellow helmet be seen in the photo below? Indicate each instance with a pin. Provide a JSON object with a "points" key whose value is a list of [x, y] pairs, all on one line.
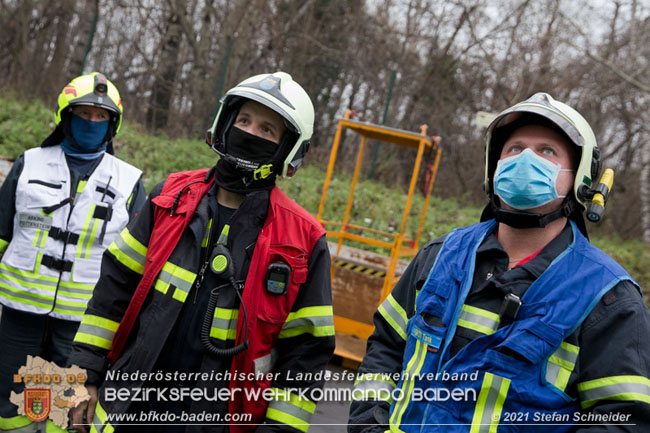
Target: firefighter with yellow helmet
{"points": [[63, 204], [516, 323]]}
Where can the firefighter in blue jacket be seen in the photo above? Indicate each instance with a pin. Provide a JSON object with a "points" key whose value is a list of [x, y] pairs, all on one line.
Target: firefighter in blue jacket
{"points": [[517, 323]]}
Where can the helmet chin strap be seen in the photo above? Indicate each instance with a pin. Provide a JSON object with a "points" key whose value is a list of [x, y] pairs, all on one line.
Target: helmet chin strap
{"points": [[526, 220]]}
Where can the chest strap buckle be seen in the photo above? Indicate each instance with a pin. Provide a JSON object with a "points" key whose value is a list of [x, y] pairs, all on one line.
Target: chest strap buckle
{"points": [[57, 264], [64, 236]]}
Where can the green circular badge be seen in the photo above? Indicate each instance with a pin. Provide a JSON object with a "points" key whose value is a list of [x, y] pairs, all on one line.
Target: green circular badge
{"points": [[219, 263]]}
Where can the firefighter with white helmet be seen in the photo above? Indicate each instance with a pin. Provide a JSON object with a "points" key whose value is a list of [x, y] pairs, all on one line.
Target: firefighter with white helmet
{"points": [[519, 319], [236, 284], [63, 204]]}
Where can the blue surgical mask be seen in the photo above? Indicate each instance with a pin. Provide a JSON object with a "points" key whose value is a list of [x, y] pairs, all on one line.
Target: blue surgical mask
{"points": [[88, 135], [526, 180]]}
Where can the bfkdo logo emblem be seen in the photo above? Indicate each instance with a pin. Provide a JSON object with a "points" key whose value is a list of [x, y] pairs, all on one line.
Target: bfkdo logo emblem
{"points": [[268, 83], [37, 404]]}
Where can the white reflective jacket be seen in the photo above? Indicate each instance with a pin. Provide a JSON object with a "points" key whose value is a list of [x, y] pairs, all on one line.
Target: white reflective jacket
{"points": [[53, 260]]}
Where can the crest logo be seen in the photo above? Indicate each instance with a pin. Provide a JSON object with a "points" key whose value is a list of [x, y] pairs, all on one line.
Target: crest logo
{"points": [[37, 404], [70, 89], [268, 83]]}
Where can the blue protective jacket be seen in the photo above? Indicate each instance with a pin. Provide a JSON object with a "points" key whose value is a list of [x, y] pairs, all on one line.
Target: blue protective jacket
{"points": [[515, 374]]}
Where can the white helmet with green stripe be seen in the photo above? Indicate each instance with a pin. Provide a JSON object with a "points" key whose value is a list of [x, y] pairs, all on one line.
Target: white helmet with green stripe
{"points": [[280, 93], [568, 120]]}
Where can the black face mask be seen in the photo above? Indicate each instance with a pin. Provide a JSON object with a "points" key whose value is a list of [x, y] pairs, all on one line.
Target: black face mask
{"points": [[246, 152], [250, 151]]}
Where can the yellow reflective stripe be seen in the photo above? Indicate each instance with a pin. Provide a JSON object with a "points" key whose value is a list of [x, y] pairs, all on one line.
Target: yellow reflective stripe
{"points": [[81, 185], [91, 238], [8, 290], [36, 280], [224, 324], [223, 237], [93, 340], [181, 278], [45, 233], [78, 286], [99, 421], [289, 409], [24, 280], [96, 331], [128, 251], [412, 370], [374, 386], [14, 423], [479, 320], [282, 395], [37, 237], [490, 404], [40, 235], [287, 419], [626, 388], [128, 202], [316, 320], [70, 305], [570, 348], [206, 237], [84, 231], [161, 286], [84, 295], [180, 295], [561, 362], [132, 242], [560, 365], [394, 314], [179, 273]]}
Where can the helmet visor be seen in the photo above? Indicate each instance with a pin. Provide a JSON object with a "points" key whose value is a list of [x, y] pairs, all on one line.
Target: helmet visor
{"points": [[541, 107]]}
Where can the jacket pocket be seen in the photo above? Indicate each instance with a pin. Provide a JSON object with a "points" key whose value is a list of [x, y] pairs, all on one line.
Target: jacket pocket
{"points": [[41, 194], [86, 270], [276, 308], [21, 258]]}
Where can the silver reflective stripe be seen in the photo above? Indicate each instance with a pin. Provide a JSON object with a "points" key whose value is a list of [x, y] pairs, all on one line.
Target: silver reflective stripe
{"points": [[63, 307], [87, 292], [97, 331], [310, 322], [373, 384], [479, 320], [372, 389], [179, 283], [566, 355], [394, 314], [98, 425], [265, 363], [45, 303], [412, 369], [490, 404], [287, 408], [128, 251], [224, 324], [560, 365], [552, 372], [623, 389], [20, 276]]}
